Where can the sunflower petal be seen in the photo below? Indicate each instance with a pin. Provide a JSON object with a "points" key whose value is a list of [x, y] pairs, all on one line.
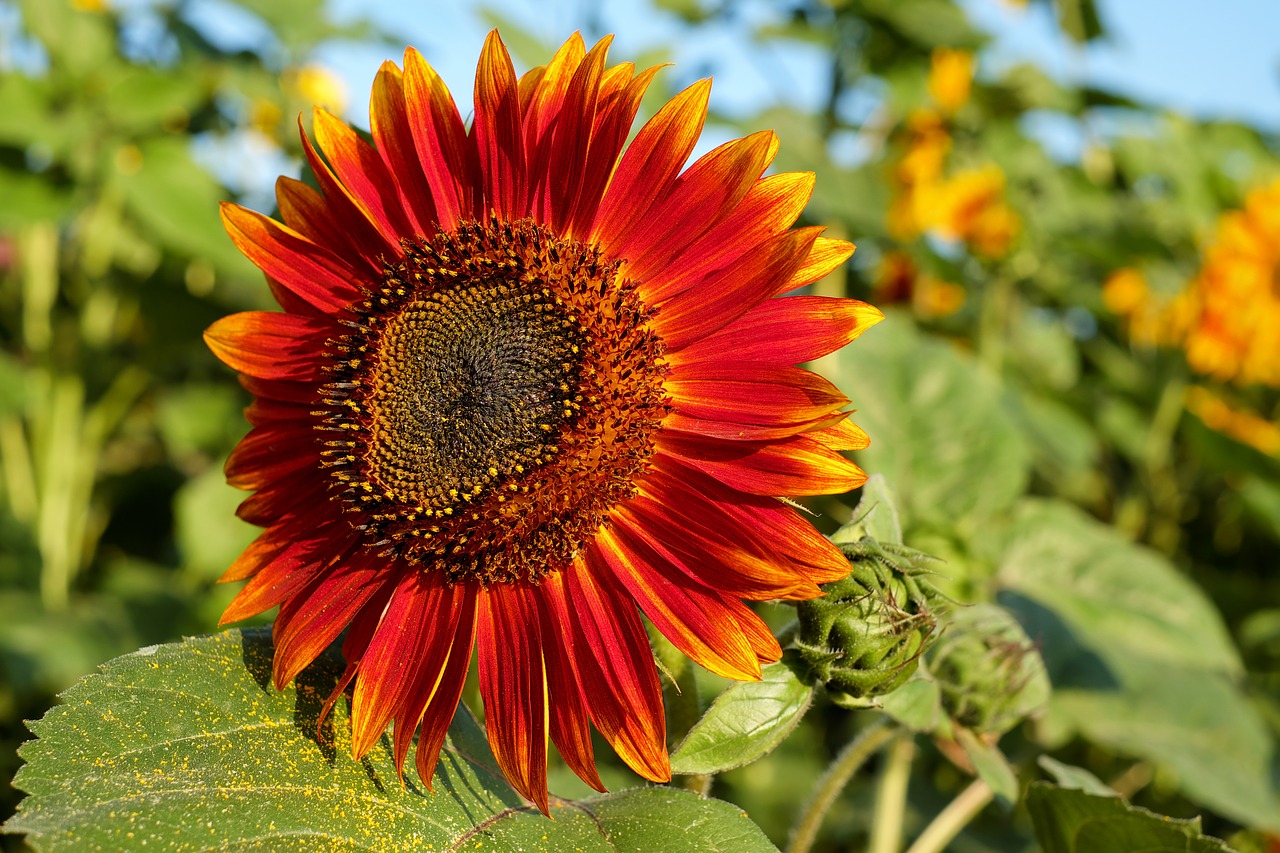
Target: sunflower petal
{"points": [[513, 687]]}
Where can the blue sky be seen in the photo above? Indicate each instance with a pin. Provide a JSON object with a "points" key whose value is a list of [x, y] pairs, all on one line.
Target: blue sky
{"points": [[1208, 58]]}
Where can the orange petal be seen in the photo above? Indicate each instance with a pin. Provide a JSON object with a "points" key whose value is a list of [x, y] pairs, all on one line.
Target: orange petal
{"points": [[650, 165], [447, 158], [697, 620], [785, 331], [827, 255], [792, 466], [271, 345], [389, 124], [496, 130], [312, 272], [609, 651]]}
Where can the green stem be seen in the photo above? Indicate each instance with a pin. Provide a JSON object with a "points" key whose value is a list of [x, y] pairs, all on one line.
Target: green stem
{"points": [[891, 796], [833, 782], [955, 817]]}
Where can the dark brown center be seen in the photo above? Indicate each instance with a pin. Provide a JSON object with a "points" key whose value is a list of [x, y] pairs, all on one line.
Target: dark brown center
{"points": [[497, 396]]}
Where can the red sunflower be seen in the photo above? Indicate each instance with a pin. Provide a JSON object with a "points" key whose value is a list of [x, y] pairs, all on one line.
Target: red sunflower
{"points": [[528, 383]]}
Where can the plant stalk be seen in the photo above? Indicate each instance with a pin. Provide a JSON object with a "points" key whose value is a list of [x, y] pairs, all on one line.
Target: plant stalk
{"points": [[891, 796], [955, 817], [833, 782]]}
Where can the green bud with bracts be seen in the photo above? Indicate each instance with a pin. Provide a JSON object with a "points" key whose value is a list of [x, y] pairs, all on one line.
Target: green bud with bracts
{"points": [[989, 672], [866, 636]]}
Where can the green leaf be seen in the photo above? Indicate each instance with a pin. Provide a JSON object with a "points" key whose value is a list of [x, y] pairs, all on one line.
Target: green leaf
{"points": [[917, 704], [1139, 659], [187, 746], [745, 722], [1076, 778], [208, 530], [991, 766], [938, 428], [1071, 821]]}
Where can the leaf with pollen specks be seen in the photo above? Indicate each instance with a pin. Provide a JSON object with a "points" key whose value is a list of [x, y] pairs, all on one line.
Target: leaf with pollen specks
{"points": [[186, 747]]}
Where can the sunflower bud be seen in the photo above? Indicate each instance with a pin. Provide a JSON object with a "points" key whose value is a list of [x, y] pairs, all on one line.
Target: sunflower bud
{"points": [[989, 672], [866, 636]]}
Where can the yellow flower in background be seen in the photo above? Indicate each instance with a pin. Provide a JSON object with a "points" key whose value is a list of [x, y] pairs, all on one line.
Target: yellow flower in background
{"points": [[1234, 329], [1241, 425], [1125, 291], [970, 207], [91, 5], [950, 78], [316, 84]]}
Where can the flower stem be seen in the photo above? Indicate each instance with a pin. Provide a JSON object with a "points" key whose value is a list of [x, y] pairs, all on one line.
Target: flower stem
{"points": [[955, 817], [833, 781], [891, 796]]}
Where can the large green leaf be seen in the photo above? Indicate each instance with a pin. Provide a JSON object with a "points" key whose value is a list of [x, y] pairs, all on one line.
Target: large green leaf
{"points": [[186, 746], [1139, 658], [1073, 821], [938, 428], [745, 722]]}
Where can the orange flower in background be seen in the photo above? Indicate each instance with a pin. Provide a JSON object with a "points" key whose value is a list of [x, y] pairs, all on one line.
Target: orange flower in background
{"points": [[970, 207], [1234, 327], [950, 78], [528, 383], [1241, 425]]}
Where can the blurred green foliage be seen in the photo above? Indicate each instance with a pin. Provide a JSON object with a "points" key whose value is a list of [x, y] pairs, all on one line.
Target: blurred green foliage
{"points": [[1034, 444]]}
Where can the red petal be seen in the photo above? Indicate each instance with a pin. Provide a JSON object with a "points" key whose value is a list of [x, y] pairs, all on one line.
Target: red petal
{"points": [[364, 175], [273, 581], [649, 167], [785, 331], [315, 274], [709, 557], [304, 210], [697, 620], [271, 345], [771, 206], [448, 159], [309, 621], [269, 453], [346, 209], [701, 197], [570, 723], [410, 638], [513, 686], [496, 131], [574, 138], [389, 124], [616, 107], [726, 295], [791, 466], [609, 651], [441, 705], [763, 524], [746, 394]]}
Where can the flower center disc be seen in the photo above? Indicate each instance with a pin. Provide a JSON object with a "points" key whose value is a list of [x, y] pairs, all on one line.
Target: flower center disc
{"points": [[497, 396]]}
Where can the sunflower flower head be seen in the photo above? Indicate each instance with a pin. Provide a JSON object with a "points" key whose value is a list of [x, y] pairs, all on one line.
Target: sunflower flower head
{"points": [[530, 382]]}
